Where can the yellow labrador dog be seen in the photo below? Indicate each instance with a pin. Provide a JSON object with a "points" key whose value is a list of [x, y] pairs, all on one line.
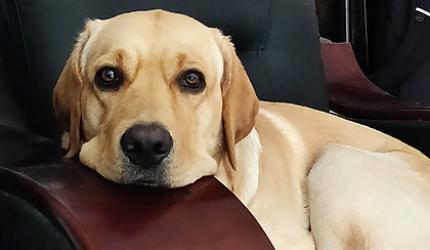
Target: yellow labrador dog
{"points": [[159, 99]]}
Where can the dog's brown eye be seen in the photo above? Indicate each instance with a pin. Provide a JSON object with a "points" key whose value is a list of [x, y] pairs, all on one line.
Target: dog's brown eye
{"points": [[192, 80], [108, 78]]}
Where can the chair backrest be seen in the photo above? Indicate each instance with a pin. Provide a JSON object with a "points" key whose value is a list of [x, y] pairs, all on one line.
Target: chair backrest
{"points": [[277, 41]]}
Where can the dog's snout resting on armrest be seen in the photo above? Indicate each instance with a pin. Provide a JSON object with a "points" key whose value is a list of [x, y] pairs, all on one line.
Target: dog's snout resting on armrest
{"points": [[168, 102], [146, 146]]}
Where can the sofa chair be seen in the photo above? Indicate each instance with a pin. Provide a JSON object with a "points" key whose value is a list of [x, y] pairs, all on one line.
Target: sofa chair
{"points": [[52, 203]]}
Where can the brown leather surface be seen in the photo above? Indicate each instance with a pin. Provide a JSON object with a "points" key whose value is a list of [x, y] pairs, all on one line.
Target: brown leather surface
{"points": [[98, 214], [353, 95]]}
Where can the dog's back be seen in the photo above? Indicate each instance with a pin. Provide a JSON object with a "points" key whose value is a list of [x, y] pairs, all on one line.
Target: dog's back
{"points": [[367, 190]]}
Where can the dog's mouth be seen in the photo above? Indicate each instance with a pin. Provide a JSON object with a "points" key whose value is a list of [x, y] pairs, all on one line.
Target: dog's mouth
{"points": [[146, 180], [149, 177], [147, 183]]}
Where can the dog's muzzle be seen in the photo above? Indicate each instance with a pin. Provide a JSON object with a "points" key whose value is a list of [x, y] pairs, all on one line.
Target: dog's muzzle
{"points": [[146, 145]]}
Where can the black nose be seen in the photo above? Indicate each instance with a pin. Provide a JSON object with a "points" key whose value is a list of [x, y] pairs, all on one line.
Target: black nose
{"points": [[146, 145]]}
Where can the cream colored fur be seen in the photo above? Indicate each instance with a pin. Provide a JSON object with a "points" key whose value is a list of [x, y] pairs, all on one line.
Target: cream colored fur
{"points": [[365, 200], [311, 179], [365, 191], [248, 168]]}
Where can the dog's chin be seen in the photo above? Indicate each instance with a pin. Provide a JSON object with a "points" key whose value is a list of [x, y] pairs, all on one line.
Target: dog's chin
{"points": [[151, 183], [157, 180], [135, 175], [160, 179], [167, 175]]}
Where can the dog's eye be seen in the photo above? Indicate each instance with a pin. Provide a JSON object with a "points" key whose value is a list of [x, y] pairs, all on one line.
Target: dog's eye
{"points": [[108, 78], [192, 80]]}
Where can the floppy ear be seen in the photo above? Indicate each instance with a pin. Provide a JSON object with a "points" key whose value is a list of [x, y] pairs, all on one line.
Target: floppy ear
{"points": [[67, 94], [240, 103]]}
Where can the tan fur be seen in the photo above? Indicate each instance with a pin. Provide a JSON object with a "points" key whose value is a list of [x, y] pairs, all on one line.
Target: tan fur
{"points": [[261, 151], [67, 95], [240, 103], [355, 239]]}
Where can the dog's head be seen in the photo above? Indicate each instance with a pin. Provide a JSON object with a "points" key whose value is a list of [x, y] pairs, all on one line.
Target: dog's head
{"points": [[153, 98]]}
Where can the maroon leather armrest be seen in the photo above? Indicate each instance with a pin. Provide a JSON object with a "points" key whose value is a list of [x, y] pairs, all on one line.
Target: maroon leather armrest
{"points": [[353, 95], [98, 214]]}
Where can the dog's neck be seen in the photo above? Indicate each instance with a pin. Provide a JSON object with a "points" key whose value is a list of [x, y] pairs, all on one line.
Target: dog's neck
{"points": [[243, 181]]}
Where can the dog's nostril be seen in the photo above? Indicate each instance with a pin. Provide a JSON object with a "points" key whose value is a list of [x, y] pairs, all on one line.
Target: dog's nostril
{"points": [[161, 148], [146, 145], [130, 147]]}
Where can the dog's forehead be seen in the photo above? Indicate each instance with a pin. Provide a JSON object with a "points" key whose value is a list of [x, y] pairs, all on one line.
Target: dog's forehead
{"points": [[155, 28], [153, 34]]}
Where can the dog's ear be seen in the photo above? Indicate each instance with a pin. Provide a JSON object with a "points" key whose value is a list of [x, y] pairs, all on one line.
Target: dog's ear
{"points": [[67, 94], [240, 103]]}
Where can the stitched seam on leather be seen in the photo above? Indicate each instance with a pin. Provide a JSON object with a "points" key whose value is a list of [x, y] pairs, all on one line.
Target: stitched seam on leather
{"points": [[263, 41], [263, 38], [24, 41]]}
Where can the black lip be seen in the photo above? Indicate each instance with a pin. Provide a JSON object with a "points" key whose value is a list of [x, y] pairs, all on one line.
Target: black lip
{"points": [[147, 183], [138, 176]]}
